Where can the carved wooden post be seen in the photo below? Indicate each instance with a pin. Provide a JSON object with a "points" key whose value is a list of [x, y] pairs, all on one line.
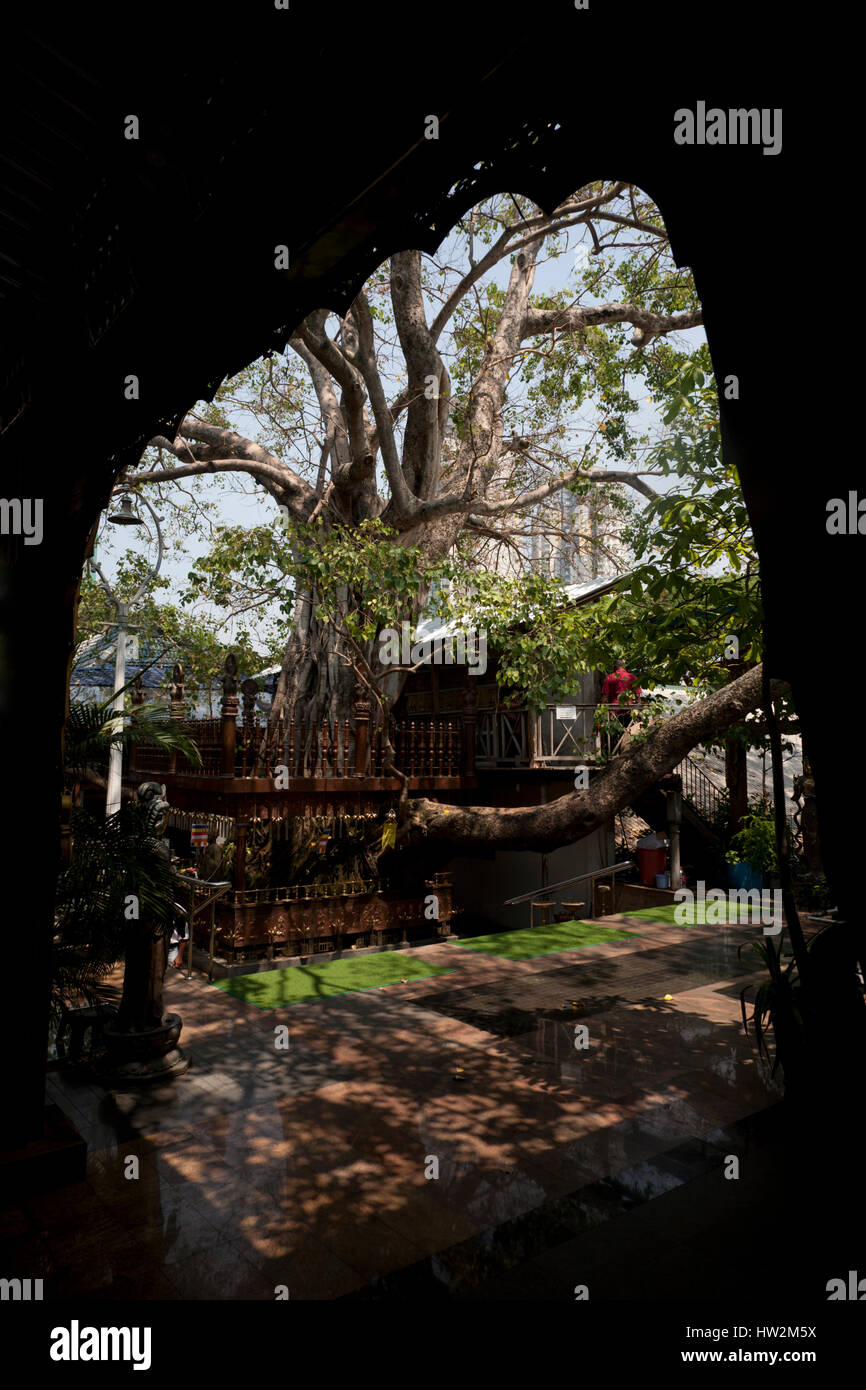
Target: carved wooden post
{"points": [[318, 735], [250, 689], [281, 741], [362, 734], [302, 747], [240, 874], [470, 703], [177, 711], [229, 714], [441, 888]]}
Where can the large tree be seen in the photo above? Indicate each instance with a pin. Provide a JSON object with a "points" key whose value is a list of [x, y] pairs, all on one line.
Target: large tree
{"points": [[436, 425]]}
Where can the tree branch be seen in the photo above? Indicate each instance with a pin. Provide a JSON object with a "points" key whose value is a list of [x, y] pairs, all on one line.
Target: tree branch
{"points": [[575, 320], [312, 334], [577, 814], [402, 497], [421, 444], [332, 419], [224, 451], [273, 481]]}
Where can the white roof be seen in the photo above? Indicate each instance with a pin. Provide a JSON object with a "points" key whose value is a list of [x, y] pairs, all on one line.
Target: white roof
{"points": [[592, 588], [595, 586]]}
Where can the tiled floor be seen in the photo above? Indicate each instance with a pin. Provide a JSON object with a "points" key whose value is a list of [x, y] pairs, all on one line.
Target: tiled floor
{"points": [[309, 1167]]}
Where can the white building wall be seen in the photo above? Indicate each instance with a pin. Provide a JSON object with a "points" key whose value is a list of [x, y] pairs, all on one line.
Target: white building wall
{"points": [[481, 886]]}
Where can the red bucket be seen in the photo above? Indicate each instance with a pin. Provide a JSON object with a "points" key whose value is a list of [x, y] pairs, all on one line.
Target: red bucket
{"points": [[651, 862]]}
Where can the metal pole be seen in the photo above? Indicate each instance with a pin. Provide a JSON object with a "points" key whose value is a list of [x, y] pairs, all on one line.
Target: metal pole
{"points": [[189, 921], [212, 931], [674, 808], [115, 757]]}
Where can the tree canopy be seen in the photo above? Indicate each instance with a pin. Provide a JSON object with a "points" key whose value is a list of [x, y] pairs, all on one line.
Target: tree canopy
{"points": [[470, 432]]}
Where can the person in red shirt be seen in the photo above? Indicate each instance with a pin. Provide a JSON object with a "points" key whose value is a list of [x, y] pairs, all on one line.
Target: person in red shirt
{"points": [[616, 684]]}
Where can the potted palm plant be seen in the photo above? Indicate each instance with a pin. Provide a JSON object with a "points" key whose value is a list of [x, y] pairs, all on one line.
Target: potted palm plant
{"points": [[116, 896]]}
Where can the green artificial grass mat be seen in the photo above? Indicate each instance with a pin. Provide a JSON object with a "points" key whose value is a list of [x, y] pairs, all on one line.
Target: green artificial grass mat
{"points": [[544, 941], [665, 913], [297, 984]]}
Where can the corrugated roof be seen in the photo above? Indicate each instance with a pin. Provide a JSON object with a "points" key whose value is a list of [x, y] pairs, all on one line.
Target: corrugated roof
{"points": [[577, 594]]}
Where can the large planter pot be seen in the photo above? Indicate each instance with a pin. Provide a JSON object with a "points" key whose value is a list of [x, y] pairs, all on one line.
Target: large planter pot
{"points": [[744, 876], [151, 1055]]}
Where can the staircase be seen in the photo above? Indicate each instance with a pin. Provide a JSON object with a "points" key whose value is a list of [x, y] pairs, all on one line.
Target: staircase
{"points": [[700, 794]]}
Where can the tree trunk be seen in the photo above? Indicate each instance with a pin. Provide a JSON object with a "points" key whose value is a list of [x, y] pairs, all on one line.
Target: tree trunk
{"points": [[322, 675], [317, 683], [809, 820], [737, 783]]}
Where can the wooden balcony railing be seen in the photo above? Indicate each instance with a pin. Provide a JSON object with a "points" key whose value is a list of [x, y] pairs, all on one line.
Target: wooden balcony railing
{"points": [[327, 749], [562, 735], [438, 746]]}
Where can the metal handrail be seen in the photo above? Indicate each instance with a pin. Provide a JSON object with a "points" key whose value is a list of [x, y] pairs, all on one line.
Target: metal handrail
{"points": [[222, 887], [567, 882], [699, 789]]}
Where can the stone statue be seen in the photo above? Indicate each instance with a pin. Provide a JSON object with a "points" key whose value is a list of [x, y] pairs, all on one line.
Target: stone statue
{"points": [[152, 795], [141, 1042]]}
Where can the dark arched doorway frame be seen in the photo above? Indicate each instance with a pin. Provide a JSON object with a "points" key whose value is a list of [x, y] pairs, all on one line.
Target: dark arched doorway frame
{"points": [[185, 304]]}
